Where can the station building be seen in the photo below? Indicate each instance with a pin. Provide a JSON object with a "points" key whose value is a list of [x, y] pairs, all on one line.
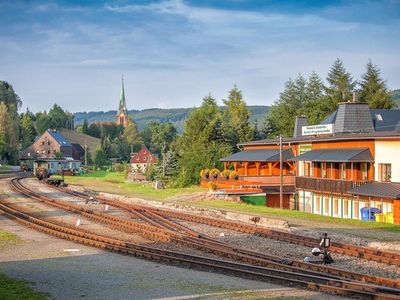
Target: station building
{"points": [[348, 162]]}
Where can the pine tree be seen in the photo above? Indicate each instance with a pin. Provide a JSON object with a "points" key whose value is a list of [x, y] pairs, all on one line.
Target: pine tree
{"points": [[373, 88], [235, 121], [317, 105], [280, 118], [341, 84]]}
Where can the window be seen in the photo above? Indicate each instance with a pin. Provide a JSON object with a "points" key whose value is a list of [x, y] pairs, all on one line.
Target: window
{"points": [[343, 171], [317, 204], [323, 170], [326, 206], [379, 117], [385, 172], [356, 210], [48, 151], [346, 207], [364, 171], [335, 206], [307, 169]]}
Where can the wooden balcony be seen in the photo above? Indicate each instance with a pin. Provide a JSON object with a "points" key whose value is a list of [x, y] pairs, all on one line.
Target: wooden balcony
{"points": [[327, 185]]}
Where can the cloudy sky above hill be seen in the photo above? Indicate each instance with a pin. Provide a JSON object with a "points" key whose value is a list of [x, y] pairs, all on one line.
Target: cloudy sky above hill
{"points": [[172, 53]]}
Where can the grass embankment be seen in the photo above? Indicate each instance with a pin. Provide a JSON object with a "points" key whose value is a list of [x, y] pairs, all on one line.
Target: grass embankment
{"points": [[111, 182], [12, 289], [290, 215], [115, 183]]}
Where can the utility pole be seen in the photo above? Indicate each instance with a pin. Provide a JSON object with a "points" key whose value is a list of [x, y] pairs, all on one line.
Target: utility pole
{"points": [[280, 173]]}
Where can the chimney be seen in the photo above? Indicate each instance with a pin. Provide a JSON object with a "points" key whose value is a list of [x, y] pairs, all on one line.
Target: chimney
{"points": [[298, 123], [355, 97]]}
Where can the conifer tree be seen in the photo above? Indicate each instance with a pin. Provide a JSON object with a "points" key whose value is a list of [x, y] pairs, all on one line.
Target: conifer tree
{"points": [[235, 125], [373, 88], [340, 84], [317, 105]]}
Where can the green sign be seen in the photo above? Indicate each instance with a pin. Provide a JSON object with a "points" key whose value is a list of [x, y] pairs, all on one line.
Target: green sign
{"points": [[305, 148]]}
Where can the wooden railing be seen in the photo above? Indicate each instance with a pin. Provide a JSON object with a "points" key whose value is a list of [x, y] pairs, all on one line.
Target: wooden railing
{"points": [[327, 185]]}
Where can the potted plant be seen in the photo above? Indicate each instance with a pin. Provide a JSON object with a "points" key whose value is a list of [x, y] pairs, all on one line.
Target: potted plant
{"points": [[233, 175], [205, 173], [214, 173], [225, 174]]}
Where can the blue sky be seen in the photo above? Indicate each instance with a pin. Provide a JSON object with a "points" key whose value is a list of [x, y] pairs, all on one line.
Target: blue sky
{"points": [[172, 53]]}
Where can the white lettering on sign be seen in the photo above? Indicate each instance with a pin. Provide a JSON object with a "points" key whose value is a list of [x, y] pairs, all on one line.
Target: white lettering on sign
{"points": [[317, 129]]}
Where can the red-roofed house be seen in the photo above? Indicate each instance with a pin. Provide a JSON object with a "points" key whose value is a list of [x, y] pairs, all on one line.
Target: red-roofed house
{"points": [[141, 160]]}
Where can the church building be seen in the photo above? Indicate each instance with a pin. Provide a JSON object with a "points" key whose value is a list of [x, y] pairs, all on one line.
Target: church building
{"points": [[122, 116]]}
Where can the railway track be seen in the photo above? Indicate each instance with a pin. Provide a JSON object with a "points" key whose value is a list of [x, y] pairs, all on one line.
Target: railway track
{"points": [[367, 253], [309, 281], [200, 242]]}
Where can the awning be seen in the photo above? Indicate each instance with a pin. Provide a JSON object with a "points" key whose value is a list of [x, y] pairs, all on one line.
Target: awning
{"points": [[337, 155], [378, 189], [261, 155]]}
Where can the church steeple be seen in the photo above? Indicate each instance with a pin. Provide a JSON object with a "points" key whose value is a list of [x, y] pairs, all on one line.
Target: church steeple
{"points": [[122, 111]]}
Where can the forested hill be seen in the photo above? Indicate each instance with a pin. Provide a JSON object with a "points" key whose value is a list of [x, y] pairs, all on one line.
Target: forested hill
{"points": [[143, 117], [395, 96]]}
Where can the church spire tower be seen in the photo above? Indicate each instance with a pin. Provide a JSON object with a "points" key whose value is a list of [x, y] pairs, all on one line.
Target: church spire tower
{"points": [[122, 116]]}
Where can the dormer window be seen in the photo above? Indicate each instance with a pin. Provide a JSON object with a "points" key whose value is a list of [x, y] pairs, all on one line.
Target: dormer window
{"points": [[379, 117]]}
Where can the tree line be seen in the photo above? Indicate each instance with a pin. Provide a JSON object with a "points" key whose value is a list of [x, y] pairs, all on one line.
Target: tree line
{"points": [[209, 132], [315, 100]]}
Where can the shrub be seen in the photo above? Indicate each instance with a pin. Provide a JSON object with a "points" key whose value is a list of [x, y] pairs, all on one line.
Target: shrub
{"points": [[119, 168], [214, 173], [205, 173], [233, 175], [225, 174], [212, 186]]}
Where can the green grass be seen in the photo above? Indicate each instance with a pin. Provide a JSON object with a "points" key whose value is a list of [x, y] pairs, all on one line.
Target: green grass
{"points": [[112, 182], [12, 289], [7, 238], [5, 168], [289, 215]]}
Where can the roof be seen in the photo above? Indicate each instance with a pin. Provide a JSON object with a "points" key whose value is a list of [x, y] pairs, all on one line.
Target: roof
{"points": [[337, 155], [378, 189], [259, 155], [59, 138], [389, 119], [353, 117], [144, 156], [74, 137]]}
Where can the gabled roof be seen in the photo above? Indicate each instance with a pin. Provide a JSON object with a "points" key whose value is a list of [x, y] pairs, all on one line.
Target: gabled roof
{"points": [[259, 155], [144, 156], [337, 155], [378, 189], [59, 138]]}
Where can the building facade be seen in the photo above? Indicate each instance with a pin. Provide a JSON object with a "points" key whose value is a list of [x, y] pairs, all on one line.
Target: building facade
{"points": [[350, 168], [142, 160]]}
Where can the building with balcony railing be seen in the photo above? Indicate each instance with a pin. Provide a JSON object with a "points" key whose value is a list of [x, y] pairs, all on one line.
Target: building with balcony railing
{"points": [[349, 162]]}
